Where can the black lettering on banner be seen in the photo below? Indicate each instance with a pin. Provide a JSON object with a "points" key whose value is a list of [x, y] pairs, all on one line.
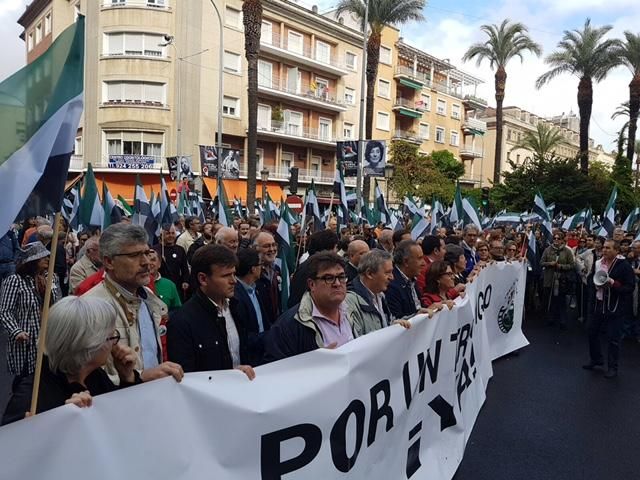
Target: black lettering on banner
{"points": [[434, 364], [338, 438], [406, 383], [272, 466], [484, 300], [379, 411], [445, 411], [413, 454], [463, 379], [464, 334]]}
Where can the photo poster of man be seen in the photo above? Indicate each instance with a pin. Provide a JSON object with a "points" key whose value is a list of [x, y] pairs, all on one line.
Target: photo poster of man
{"points": [[375, 158], [231, 159], [347, 152], [172, 164]]}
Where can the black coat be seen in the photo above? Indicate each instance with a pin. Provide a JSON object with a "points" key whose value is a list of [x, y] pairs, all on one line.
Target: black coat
{"points": [[288, 337], [174, 264], [619, 297], [351, 271], [298, 284], [55, 390], [398, 296], [269, 290], [249, 320], [197, 336]]}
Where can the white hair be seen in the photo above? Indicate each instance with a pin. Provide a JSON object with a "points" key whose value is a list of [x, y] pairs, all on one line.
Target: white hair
{"points": [[78, 328], [223, 232]]}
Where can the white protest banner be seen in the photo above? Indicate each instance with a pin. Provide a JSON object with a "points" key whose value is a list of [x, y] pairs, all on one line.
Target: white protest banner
{"points": [[393, 404]]}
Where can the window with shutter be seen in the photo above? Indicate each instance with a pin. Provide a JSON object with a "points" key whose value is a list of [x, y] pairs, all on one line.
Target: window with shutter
{"points": [[264, 117], [265, 70], [293, 80], [133, 44], [323, 52], [115, 43], [154, 92], [295, 42], [114, 91], [132, 92]]}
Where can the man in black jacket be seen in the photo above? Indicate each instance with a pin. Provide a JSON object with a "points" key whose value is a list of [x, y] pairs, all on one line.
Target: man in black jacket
{"points": [[320, 319], [613, 304], [174, 260], [256, 319], [402, 294], [206, 334]]}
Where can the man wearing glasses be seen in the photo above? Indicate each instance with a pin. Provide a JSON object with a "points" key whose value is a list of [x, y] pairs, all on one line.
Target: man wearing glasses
{"points": [[270, 282], [469, 240], [125, 257], [320, 319]]}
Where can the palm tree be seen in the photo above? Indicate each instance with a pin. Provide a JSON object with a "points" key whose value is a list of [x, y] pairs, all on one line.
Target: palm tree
{"points": [[543, 142], [506, 41], [629, 55], [252, 22], [381, 13], [586, 54]]}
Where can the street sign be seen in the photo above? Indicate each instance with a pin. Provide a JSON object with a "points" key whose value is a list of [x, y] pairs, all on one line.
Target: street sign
{"points": [[173, 194], [295, 203]]}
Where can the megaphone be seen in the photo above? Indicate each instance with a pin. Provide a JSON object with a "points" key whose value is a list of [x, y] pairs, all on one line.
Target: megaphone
{"points": [[600, 278]]}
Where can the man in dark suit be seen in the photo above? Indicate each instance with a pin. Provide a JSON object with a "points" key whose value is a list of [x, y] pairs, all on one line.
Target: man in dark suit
{"points": [[614, 301], [355, 250], [206, 334], [402, 294], [256, 319]]}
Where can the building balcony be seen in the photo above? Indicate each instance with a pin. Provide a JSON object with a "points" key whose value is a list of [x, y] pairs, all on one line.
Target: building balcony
{"points": [[407, 107], [470, 180], [473, 126], [469, 152], [281, 131], [77, 163], [474, 103], [305, 94], [279, 48], [282, 174], [444, 88], [407, 136], [134, 103], [407, 77]]}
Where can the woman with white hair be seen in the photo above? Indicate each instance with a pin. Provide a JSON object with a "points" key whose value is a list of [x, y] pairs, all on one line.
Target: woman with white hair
{"points": [[81, 338]]}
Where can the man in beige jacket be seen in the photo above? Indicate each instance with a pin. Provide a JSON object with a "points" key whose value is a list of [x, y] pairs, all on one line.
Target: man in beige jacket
{"points": [[125, 256], [88, 264]]}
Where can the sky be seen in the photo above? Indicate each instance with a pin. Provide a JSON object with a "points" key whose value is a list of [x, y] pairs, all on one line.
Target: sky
{"points": [[450, 28]]}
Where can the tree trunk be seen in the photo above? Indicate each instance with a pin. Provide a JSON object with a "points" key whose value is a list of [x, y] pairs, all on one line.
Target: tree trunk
{"points": [[500, 82], [585, 102], [252, 21], [634, 107], [373, 59]]}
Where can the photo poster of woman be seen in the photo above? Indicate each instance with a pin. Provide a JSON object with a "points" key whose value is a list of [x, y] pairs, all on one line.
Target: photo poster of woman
{"points": [[231, 159]]}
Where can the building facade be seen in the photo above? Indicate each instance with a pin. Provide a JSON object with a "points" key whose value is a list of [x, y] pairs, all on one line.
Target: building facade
{"points": [[151, 87], [517, 122]]}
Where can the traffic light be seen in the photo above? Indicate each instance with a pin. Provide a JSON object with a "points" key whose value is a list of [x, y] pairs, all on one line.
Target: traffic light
{"points": [[485, 200], [293, 180]]}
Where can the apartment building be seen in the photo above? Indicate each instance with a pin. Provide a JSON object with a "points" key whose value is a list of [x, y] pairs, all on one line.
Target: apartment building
{"points": [[151, 86], [517, 122], [426, 101]]}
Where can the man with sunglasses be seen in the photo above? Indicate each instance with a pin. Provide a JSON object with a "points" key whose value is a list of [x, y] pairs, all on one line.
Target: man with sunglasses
{"points": [[320, 319], [125, 256]]}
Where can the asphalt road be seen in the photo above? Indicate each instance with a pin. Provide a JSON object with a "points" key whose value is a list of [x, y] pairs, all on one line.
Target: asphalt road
{"points": [[546, 418]]}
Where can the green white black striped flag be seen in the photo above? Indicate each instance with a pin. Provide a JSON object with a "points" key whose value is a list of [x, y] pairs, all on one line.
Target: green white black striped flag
{"points": [[40, 108]]}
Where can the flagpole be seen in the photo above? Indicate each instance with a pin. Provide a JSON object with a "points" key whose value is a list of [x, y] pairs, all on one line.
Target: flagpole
{"points": [[45, 315], [363, 105]]}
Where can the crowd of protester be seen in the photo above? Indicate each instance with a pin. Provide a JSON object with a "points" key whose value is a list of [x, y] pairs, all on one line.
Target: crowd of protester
{"points": [[209, 297]]}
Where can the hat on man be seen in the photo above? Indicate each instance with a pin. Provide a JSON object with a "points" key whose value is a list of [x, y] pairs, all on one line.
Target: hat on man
{"points": [[31, 252]]}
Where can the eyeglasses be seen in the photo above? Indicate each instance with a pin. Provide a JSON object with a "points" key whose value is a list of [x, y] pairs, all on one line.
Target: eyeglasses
{"points": [[115, 339], [331, 279], [136, 255], [511, 249]]}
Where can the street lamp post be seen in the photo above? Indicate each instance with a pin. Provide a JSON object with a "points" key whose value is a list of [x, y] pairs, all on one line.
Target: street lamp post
{"points": [[220, 91], [363, 106], [388, 175], [264, 176], [169, 41]]}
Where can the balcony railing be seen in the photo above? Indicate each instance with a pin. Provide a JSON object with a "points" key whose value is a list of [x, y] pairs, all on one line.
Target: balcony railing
{"points": [[474, 125], [304, 175], [281, 128], [470, 151], [76, 163], [408, 72], [408, 136], [159, 4], [302, 51], [444, 88], [304, 90], [132, 103], [475, 101]]}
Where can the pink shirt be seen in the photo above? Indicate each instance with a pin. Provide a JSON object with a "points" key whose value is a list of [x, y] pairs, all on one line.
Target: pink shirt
{"points": [[332, 333]]}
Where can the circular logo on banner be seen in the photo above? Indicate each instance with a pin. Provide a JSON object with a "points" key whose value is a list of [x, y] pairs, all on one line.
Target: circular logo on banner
{"points": [[507, 311]]}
